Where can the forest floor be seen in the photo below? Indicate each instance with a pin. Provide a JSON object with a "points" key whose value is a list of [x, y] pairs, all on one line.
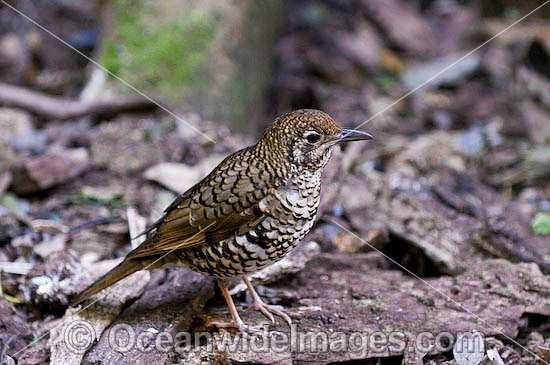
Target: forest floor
{"points": [[438, 228]]}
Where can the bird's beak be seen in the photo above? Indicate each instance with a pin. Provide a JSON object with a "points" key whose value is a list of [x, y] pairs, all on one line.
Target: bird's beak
{"points": [[348, 135]]}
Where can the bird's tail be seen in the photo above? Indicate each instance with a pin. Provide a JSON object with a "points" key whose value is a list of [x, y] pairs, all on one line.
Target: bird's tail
{"points": [[122, 270]]}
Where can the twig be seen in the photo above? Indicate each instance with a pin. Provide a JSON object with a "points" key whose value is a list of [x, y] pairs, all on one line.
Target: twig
{"points": [[136, 225], [19, 268], [50, 107], [95, 222]]}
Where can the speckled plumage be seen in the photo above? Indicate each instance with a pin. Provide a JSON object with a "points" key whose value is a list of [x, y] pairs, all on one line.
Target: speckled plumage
{"points": [[282, 219], [250, 211]]}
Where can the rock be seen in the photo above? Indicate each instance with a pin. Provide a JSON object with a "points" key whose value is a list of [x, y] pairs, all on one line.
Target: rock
{"points": [[43, 172], [52, 284]]}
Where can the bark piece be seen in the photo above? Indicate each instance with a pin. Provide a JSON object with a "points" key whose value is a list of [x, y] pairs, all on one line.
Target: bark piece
{"points": [[452, 217], [170, 303], [42, 172], [36, 355], [428, 200], [81, 326], [342, 293]]}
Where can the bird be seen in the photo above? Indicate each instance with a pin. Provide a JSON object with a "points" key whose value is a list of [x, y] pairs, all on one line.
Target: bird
{"points": [[248, 213]]}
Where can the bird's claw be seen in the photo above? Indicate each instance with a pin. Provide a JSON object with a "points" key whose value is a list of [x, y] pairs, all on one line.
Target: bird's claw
{"points": [[246, 330], [268, 309]]}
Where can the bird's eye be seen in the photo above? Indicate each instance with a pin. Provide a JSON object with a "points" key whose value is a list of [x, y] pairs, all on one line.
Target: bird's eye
{"points": [[313, 137]]}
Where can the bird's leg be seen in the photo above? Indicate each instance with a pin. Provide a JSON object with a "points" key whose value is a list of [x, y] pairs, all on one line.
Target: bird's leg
{"points": [[266, 309], [237, 321]]}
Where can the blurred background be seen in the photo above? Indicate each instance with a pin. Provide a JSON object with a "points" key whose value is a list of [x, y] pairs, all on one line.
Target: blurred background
{"points": [[459, 172]]}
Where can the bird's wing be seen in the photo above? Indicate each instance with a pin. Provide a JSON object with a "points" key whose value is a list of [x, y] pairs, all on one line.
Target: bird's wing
{"points": [[211, 210]]}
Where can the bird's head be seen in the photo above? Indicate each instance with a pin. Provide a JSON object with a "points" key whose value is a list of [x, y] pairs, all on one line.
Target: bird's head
{"points": [[306, 137]]}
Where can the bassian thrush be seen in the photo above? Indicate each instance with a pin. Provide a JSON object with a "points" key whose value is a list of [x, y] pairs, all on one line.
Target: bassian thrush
{"points": [[249, 212]]}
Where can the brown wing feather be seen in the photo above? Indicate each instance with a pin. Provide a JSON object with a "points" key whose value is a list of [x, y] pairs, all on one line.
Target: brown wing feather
{"points": [[211, 210]]}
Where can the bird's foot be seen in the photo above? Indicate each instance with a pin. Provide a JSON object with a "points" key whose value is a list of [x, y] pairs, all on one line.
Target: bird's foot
{"points": [[268, 310], [245, 329]]}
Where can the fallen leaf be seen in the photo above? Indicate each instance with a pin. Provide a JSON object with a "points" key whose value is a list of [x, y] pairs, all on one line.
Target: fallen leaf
{"points": [[179, 177]]}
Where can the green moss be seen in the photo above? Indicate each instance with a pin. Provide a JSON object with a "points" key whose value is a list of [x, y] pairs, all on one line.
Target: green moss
{"points": [[13, 204], [541, 224], [385, 82], [110, 58], [90, 196], [167, 57]]}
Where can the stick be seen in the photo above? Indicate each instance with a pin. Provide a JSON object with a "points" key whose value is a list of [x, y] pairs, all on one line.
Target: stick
{"points": [[50, 107], [136, 225]]}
